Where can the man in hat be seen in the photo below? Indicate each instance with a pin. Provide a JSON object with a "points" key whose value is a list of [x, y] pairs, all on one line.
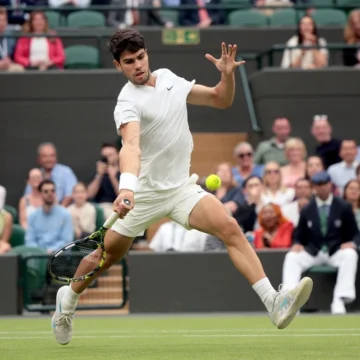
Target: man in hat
{"points": [[326, 234]]}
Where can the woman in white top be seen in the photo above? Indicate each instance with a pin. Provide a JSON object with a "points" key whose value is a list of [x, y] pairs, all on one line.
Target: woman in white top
{"points": [[30, 202], [274, 191], [82, 212], [307, 35], [2, 197]]}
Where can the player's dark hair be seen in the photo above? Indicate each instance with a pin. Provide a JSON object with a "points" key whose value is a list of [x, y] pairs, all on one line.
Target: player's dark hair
{"points": [[127, 39], [44, 182]]}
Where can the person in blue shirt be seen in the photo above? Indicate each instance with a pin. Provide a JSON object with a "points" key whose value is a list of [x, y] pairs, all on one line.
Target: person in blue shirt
{"points": [[62, 175], [50, 227], [244, 155]]}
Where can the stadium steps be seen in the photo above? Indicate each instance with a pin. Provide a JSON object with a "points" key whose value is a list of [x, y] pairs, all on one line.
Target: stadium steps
{"points": [[110, 281], [115, 270]]}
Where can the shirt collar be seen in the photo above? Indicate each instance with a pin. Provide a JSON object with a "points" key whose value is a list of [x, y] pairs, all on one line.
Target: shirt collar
{"points": [[352, 166], [273, 142], [327, 202]]}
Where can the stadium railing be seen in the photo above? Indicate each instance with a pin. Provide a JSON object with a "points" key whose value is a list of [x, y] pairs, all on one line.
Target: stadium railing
{"points": [[109, 291]]}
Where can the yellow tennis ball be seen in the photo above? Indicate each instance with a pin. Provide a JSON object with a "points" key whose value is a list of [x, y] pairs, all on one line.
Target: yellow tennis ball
{"points": [[213, 182]]}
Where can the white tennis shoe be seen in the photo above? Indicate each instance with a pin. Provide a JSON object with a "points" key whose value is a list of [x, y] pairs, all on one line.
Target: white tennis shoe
{"points": [[287, 303], [61, 323]]}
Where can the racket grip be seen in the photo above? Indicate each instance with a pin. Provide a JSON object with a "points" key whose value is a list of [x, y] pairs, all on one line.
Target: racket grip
{"points": [[111, 220]]}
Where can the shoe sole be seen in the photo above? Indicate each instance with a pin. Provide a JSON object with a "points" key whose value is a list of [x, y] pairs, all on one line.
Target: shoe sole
{"points": [[302, 296], [58, 299]]}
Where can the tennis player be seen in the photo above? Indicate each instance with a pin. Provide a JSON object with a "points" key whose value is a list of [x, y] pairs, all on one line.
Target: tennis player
{"points": [[151, 117]]}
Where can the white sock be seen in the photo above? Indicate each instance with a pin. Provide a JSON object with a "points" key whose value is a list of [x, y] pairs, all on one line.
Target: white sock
{"points": [[266, 292], [69, 301]]}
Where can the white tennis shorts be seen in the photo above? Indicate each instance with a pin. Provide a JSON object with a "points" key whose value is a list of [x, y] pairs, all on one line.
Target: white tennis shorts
{"points": [[175, 204]]}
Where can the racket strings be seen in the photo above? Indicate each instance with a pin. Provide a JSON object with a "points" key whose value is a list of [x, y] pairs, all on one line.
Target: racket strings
{"points": [[77, 261]]}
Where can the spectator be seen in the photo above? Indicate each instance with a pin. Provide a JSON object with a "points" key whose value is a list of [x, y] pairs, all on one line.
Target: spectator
{"points": [[275, 230], [345, 170], [39, 52], [173, 237], [252, 189], [49, 227], [314, 165], [202, 17], [7, 45], [307, 35], [273, 149], [230, 194], [352, 196], [351, 57], [327, 148], [243, 154], [62, 175], [103, 189], [69, 3], [30, 202], [6, 223], [121, 19], [2, 197], [274, 191], [303, 194], [82, 212], [295, 152], [327, 234]]}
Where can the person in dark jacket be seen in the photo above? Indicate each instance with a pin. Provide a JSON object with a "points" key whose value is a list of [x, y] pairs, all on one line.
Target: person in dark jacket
{"points": [[327, 233]]}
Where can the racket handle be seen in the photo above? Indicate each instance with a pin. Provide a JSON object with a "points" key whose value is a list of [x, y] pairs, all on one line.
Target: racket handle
{"points": [[111, 220], [113, 217]]}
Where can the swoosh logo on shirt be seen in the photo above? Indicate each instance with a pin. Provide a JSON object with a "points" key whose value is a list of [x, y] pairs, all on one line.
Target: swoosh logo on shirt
{"points": [[169, 88]]}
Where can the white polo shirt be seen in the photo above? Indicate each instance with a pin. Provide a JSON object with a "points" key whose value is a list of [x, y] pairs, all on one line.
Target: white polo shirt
{"points": [[165, 139]]}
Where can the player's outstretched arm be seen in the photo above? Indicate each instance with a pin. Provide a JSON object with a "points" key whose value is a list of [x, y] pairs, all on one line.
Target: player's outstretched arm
{"points": [[222, 95], [129, 157]]}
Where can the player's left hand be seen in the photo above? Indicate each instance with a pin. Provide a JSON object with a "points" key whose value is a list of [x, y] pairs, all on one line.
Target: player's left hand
{"points": [[227, 63]]}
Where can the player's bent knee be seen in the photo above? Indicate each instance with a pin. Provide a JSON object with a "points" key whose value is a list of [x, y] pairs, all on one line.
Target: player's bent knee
{"points": [[229, 231]]}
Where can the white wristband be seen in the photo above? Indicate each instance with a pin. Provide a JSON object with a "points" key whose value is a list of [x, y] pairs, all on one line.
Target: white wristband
{"points": [[128, 181]]}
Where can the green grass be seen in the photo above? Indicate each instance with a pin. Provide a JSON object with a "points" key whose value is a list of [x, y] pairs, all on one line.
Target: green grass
{"points": [[185, 338]]}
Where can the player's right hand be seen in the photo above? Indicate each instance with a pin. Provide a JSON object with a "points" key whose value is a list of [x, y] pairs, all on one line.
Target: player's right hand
{"points": [[120, 207], [297, 248]]}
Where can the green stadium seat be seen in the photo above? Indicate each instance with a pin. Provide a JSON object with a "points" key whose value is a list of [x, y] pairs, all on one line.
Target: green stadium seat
{"points": [[329, 17], [170, 15], [54, 18], [33, 269], [17, 236], [322, 269], [348, 3], [327, 3], [82, 57], [86, 19], [283, 18], [100, 217], [247, 18], [14, 213]]}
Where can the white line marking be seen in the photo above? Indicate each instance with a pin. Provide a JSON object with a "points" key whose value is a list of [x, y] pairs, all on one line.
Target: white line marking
{"points": [[186, 335], [177, 331]]}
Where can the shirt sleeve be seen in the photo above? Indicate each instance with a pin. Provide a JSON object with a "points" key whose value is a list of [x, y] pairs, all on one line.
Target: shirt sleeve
{"points": [[125, 112], [30, 238], [70, 183]]}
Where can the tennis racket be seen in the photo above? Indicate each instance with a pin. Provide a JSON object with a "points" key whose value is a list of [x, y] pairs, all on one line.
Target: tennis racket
{"points": [[81, 259]]}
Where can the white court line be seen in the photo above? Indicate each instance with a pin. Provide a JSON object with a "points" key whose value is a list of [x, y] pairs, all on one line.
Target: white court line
{"points": [[186, 335], [179, 331]]}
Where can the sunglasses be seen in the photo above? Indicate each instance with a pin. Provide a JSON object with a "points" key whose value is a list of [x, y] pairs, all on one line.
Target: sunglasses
{"points": [[48, 191], [274, 171], [243, 155]]}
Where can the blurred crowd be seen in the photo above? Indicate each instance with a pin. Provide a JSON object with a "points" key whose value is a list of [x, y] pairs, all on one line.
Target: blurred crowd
{"points": [[306, 49], [283, 195]]}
